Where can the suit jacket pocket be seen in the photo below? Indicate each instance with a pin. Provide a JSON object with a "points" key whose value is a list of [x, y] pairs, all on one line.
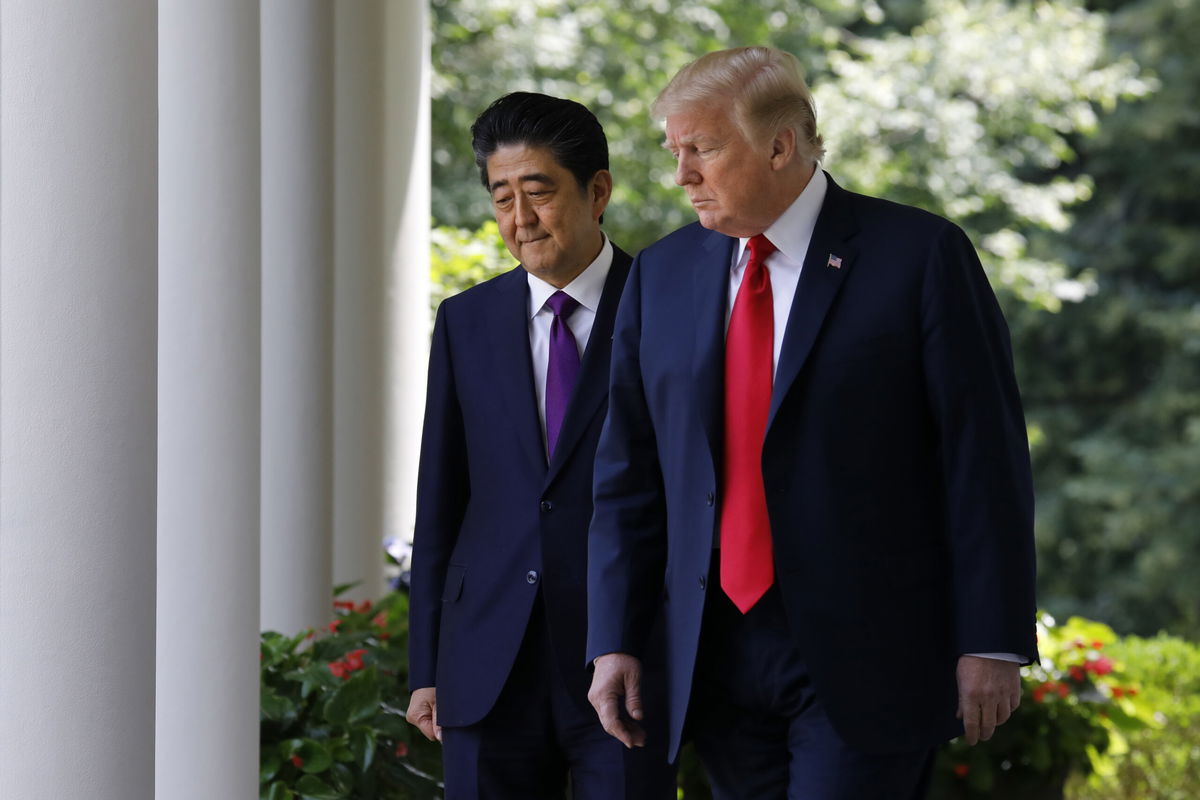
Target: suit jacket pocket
{"points": [[455, 574]]}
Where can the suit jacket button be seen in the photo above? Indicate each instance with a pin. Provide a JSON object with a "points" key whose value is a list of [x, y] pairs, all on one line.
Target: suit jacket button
{"points": [[545, 506], [703, 582], [531, 577], [709, 499]]}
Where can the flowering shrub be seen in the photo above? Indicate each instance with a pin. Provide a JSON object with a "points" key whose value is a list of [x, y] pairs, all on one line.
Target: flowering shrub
{"points": [[1076, 707], [332, 711]]}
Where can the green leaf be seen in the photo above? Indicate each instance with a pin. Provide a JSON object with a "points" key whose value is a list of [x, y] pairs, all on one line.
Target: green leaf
{"points": [[277, 791], [342, 588], [311, 787], [356, 700], [275, 706], [362, 742], [316, 756], [269, 764]]}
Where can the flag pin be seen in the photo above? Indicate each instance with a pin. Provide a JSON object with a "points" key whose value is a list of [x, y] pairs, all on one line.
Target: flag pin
{"points": [[834, 261]]}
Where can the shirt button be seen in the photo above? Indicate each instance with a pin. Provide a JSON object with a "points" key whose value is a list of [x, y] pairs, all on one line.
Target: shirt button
{"points": [[709, 499], [703, 582], [546, 505], [531, 577]]}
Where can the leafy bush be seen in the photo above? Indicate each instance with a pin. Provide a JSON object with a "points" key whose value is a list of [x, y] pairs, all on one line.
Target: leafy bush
{"points": [[1163, 762], [332, 711]]}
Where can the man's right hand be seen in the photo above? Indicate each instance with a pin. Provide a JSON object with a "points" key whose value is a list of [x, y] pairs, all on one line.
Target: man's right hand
{"points": [[616, 676], [422, 712]]}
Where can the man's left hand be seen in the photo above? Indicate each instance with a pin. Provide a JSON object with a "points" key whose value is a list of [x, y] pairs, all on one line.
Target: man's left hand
{"points": [[989, 690]]}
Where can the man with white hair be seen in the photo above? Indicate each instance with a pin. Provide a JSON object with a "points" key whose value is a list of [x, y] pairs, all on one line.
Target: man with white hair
{"points": [[815, 456]]}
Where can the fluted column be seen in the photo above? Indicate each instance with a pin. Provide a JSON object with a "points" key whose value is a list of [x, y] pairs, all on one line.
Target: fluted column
{"points": [[297, 385], [406, 226], [361, 261], [77, 399], [209, 372]]}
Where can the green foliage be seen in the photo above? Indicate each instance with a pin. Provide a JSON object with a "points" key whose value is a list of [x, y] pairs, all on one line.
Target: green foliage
{"points": [[969, 115], [1163, 761], [1112, 384], [331, 712], [1078, 706], [461, 258]]}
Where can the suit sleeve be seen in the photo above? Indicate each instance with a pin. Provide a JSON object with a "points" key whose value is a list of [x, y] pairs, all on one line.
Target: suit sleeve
{"points": [[627, 539], [442, 493], [983, 451]]}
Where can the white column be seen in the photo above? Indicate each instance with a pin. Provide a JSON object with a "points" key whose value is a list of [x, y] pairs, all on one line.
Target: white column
{"points": [[209, 338], [360, 261], [77, 407], [407, 226], [297, 248]]}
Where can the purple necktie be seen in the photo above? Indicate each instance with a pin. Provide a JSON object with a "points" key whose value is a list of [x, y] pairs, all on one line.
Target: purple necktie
{"points": [[563, 367]]}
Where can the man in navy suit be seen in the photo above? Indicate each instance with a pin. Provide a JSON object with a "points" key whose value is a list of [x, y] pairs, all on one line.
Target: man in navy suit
{"points": [[518, 387], [815, 456]]}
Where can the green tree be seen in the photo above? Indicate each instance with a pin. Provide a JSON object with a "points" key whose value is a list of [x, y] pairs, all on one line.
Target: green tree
{"points": [[1113, 383]]}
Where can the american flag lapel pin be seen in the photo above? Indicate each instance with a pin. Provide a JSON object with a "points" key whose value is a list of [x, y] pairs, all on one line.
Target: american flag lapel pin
{"points": [[834, 261]]}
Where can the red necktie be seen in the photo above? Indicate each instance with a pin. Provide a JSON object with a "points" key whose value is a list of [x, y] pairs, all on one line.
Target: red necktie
{"points": [[747, 563]]}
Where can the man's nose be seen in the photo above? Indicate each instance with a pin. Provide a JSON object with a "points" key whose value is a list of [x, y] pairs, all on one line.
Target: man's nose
{"points": [[523, 212], [684, 171]]}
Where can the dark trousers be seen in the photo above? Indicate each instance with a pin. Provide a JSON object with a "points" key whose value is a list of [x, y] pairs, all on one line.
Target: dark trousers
{"points": [[538, 737], [760, 729]]}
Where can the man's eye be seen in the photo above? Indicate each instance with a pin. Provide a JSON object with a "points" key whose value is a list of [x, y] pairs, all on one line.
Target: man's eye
{"points": [[501, 201]]}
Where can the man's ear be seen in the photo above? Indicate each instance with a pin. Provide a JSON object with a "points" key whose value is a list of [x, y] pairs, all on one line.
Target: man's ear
{"points": [[600, 192], [783, 148]]}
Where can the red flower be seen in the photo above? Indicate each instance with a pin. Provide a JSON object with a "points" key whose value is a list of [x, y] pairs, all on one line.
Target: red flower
{"points": [[961, 770], [1118, 691], [401, 749], [1096, 645], [364, 607], [333, 626], [380, 619], [1101, 666], [1039, 694], [298, 761], [344, 605], [1078, 674], [1063, 691], [1131, 692], [340, 669], [354, 659]]}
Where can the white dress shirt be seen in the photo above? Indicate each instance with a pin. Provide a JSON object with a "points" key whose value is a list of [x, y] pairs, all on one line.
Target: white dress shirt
{"points": [[586, 290]]}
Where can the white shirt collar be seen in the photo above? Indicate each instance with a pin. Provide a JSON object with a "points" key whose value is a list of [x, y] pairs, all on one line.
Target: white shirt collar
{"points": [[792, 232], [586, 289]]}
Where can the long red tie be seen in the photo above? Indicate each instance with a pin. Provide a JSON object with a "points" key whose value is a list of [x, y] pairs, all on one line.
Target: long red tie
{"points": [[747, 564]]}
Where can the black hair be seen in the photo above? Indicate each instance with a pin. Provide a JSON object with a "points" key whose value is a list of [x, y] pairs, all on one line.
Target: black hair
{"points": [[567, 129]]}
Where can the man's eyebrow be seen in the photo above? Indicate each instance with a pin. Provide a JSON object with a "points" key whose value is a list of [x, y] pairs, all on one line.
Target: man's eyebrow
{"points": [[533, 177]]}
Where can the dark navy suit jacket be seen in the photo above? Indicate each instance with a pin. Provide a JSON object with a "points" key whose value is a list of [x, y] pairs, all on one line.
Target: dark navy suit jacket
{"points": [[895, 463], [495, 523]]}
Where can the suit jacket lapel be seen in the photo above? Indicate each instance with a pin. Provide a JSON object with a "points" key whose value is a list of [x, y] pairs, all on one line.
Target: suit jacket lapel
{"points": [[710, 286], [818, 286], [591, 388], [513, 367]]}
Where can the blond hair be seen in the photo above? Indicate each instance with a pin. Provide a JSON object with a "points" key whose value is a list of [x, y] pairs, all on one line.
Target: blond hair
{"points": [[766, 87]]}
